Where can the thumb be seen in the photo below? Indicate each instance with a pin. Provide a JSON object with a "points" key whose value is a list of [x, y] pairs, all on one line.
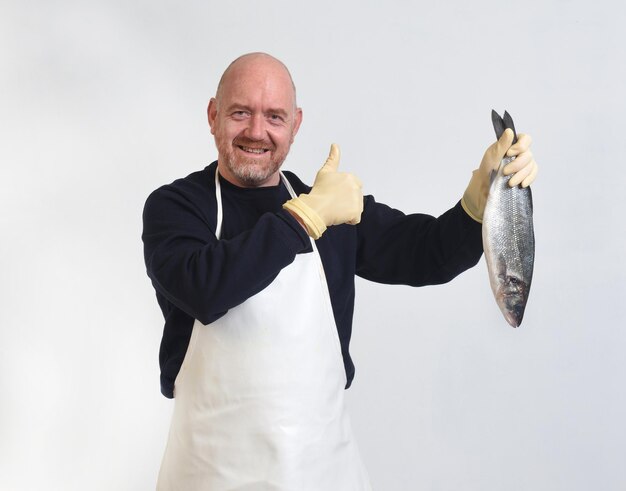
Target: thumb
{"points": [[332, 162], [505, 142]]}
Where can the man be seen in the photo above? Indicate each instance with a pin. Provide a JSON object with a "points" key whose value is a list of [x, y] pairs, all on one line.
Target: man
{"points": [[254, 272]]}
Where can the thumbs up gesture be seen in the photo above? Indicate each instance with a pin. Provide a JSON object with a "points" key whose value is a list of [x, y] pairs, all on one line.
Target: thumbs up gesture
{"points": [[335, 198]]}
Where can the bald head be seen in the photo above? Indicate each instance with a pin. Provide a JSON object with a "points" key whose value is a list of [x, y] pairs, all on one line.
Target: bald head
{"points": [[254, 119], [253, 63]]}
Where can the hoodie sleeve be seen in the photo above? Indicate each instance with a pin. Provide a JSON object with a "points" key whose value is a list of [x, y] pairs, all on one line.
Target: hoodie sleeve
{"points": [[415, 249], [204, 276]]}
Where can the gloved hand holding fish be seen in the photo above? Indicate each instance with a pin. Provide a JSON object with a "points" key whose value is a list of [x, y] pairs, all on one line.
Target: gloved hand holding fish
{"points": [[499, 197]]}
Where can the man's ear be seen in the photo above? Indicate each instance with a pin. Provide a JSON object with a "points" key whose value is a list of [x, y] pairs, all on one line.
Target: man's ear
{"points": [[297, 121], [211, 112]]}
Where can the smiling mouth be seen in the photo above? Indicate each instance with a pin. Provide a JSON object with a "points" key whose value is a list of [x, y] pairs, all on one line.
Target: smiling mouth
{"points": [[252, 150]]}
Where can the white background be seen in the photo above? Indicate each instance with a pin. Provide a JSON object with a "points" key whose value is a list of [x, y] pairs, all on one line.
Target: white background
{"points": [[102, 102]]}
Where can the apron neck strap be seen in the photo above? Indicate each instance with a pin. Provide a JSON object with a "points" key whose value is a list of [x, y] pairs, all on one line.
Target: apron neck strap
{"points": [[218, 198]]}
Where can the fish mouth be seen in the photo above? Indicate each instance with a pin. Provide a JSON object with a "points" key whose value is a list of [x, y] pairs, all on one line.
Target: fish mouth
{"points": [[512, 307], [514, 318]]}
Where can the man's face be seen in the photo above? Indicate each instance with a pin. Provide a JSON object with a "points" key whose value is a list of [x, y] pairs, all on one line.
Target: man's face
{"points": [[254, 121]]}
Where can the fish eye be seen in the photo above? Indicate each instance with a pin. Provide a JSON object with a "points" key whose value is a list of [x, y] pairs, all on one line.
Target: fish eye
{"points": [[513, 280]]}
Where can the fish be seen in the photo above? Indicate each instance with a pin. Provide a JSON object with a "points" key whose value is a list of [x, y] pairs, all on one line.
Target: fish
{"points": [[508, 237]]}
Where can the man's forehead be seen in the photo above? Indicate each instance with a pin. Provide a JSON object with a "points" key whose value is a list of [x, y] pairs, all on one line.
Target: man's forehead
{"points": [[260, 93]]}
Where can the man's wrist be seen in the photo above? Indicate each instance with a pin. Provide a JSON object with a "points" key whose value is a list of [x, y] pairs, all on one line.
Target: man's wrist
{"points": [[298, 219], [306, 216]]}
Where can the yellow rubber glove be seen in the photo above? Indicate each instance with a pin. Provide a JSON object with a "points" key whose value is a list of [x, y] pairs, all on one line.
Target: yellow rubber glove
{"points": [[335, 198], [523, 167]]}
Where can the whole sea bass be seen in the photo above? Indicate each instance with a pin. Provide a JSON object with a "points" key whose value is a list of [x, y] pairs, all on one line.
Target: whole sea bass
{"points": [[508, 237]]}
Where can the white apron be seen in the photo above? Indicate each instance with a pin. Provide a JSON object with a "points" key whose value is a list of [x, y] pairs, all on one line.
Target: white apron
{"points": [[259, 399]]}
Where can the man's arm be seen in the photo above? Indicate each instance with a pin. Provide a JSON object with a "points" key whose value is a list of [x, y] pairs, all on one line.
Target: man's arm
{"points": [[424, 250], [205, 277], [415, 249]]}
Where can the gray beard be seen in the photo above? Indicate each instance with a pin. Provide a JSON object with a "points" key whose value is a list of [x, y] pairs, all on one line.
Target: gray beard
{"points": [[248, 172]]}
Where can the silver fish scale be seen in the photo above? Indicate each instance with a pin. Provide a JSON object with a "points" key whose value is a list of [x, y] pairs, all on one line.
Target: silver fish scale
{"points": [[509, 244]]}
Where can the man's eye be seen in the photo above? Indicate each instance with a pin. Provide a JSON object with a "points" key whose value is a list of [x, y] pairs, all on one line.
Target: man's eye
{"points": [[240, 114], [275, 117]]}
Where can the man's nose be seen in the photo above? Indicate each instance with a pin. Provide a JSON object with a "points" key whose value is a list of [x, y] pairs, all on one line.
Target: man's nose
{"points": [[256, 127]]}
